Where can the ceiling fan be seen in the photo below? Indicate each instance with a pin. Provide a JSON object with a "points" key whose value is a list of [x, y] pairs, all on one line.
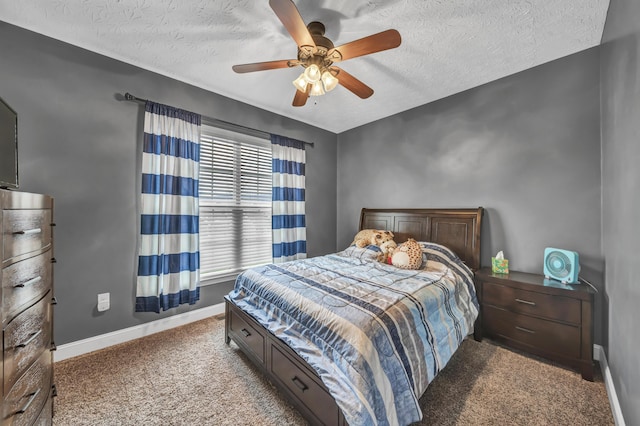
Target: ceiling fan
{"points": [[316, 54]]}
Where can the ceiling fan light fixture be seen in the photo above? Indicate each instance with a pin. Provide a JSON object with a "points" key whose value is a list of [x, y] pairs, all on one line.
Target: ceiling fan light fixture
{"points": [[301, 83], [329, 81], [316, 89], [312, 73], [317, 53]]}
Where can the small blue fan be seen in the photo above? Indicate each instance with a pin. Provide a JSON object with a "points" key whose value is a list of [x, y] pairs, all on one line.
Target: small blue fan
{"points": [[561, 265]]}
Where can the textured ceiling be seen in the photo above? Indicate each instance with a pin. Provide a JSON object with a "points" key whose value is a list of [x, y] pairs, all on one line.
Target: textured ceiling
{"points": [[448, 46]]}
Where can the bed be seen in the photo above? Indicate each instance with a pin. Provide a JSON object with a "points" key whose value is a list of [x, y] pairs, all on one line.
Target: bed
{"points": [[349, 340]]}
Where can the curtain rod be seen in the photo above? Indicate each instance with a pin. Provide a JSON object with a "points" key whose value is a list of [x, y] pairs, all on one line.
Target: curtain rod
{"points": [[129, 97]]}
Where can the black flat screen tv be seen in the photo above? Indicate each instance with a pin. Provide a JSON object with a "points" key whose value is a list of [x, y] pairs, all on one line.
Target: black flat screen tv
{"points": [[8, 146]]}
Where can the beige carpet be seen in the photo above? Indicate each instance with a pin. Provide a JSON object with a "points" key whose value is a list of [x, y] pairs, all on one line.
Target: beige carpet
{"points": [[189, 376]]}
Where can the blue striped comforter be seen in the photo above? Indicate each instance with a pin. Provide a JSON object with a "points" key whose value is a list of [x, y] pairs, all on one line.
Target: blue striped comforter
{"points": [[377, 335]]}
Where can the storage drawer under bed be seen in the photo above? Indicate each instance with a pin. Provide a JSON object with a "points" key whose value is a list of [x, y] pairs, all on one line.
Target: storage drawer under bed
{"points": [[290, 373], [245, 335], [303, 385]]}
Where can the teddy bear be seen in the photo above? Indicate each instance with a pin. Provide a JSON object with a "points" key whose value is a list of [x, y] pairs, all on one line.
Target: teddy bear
{"points": [[386, 250], [407, 255], [374, 237]]}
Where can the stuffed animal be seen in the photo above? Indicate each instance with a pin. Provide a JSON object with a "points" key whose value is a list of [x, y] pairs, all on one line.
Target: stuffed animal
{"points": [[374, 237], [386, 250], [407, 255]]}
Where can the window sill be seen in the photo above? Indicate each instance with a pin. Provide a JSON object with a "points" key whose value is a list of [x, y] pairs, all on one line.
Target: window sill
{"points": [[218, 279]]}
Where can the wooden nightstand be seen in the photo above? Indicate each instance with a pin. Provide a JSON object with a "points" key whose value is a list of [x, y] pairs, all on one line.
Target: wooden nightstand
{"points": [[539, 316]]}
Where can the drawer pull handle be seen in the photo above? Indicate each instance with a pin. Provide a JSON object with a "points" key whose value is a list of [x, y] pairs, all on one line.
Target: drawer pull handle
{"points": [[526, 302], [28, 282], [526, 330], [31, 339], [245, 332], [32, 397], [53, 347], [54, 301], [28, 231], [299, 383]]}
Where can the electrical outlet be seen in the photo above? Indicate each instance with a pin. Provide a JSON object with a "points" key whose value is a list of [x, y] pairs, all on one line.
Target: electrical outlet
{"points": [[103, 302]]}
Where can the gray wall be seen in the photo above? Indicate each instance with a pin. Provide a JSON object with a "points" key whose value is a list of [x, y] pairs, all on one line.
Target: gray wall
{"points": [[620, 82], [526, 147], [81, 145]]}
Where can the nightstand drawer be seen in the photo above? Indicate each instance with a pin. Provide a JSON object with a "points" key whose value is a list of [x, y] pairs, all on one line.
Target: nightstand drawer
{"points": [[550, 336], [532, 303]]}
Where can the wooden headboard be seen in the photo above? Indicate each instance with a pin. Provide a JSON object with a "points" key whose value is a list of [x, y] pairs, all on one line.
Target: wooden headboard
{"points": [[458, 229]]}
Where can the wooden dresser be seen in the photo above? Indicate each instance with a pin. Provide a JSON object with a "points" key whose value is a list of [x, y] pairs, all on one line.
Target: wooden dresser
{"points": [[539, 316], [27, 311]]}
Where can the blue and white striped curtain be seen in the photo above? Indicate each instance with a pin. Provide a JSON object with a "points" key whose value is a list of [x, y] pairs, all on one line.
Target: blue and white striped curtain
{"points": [[168, 255], [288, 215]]}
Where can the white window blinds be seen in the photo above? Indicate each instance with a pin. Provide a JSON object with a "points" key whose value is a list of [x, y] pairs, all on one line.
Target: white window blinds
{"points": [[235, 203]]}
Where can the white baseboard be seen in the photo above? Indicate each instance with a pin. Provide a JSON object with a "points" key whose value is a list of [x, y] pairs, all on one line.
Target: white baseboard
{"points": [[81, 347], [600, 356]]}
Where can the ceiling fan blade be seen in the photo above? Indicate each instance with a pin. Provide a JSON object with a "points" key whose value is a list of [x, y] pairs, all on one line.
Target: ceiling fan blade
{"points": [[300, 98], [262, 66], [351, 83], [288, 14], [371, 44]]}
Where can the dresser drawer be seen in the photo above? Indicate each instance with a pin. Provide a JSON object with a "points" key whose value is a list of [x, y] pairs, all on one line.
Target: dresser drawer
{"points": [[24, 282], [46, 414], [25, 231], [23, 404], [25, 337], [246, 335], [304, 387], [550, 336], [532, 303]]}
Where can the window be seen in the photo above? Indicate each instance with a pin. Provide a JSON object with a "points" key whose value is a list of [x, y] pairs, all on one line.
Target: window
{"points": [[235, 203]]}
